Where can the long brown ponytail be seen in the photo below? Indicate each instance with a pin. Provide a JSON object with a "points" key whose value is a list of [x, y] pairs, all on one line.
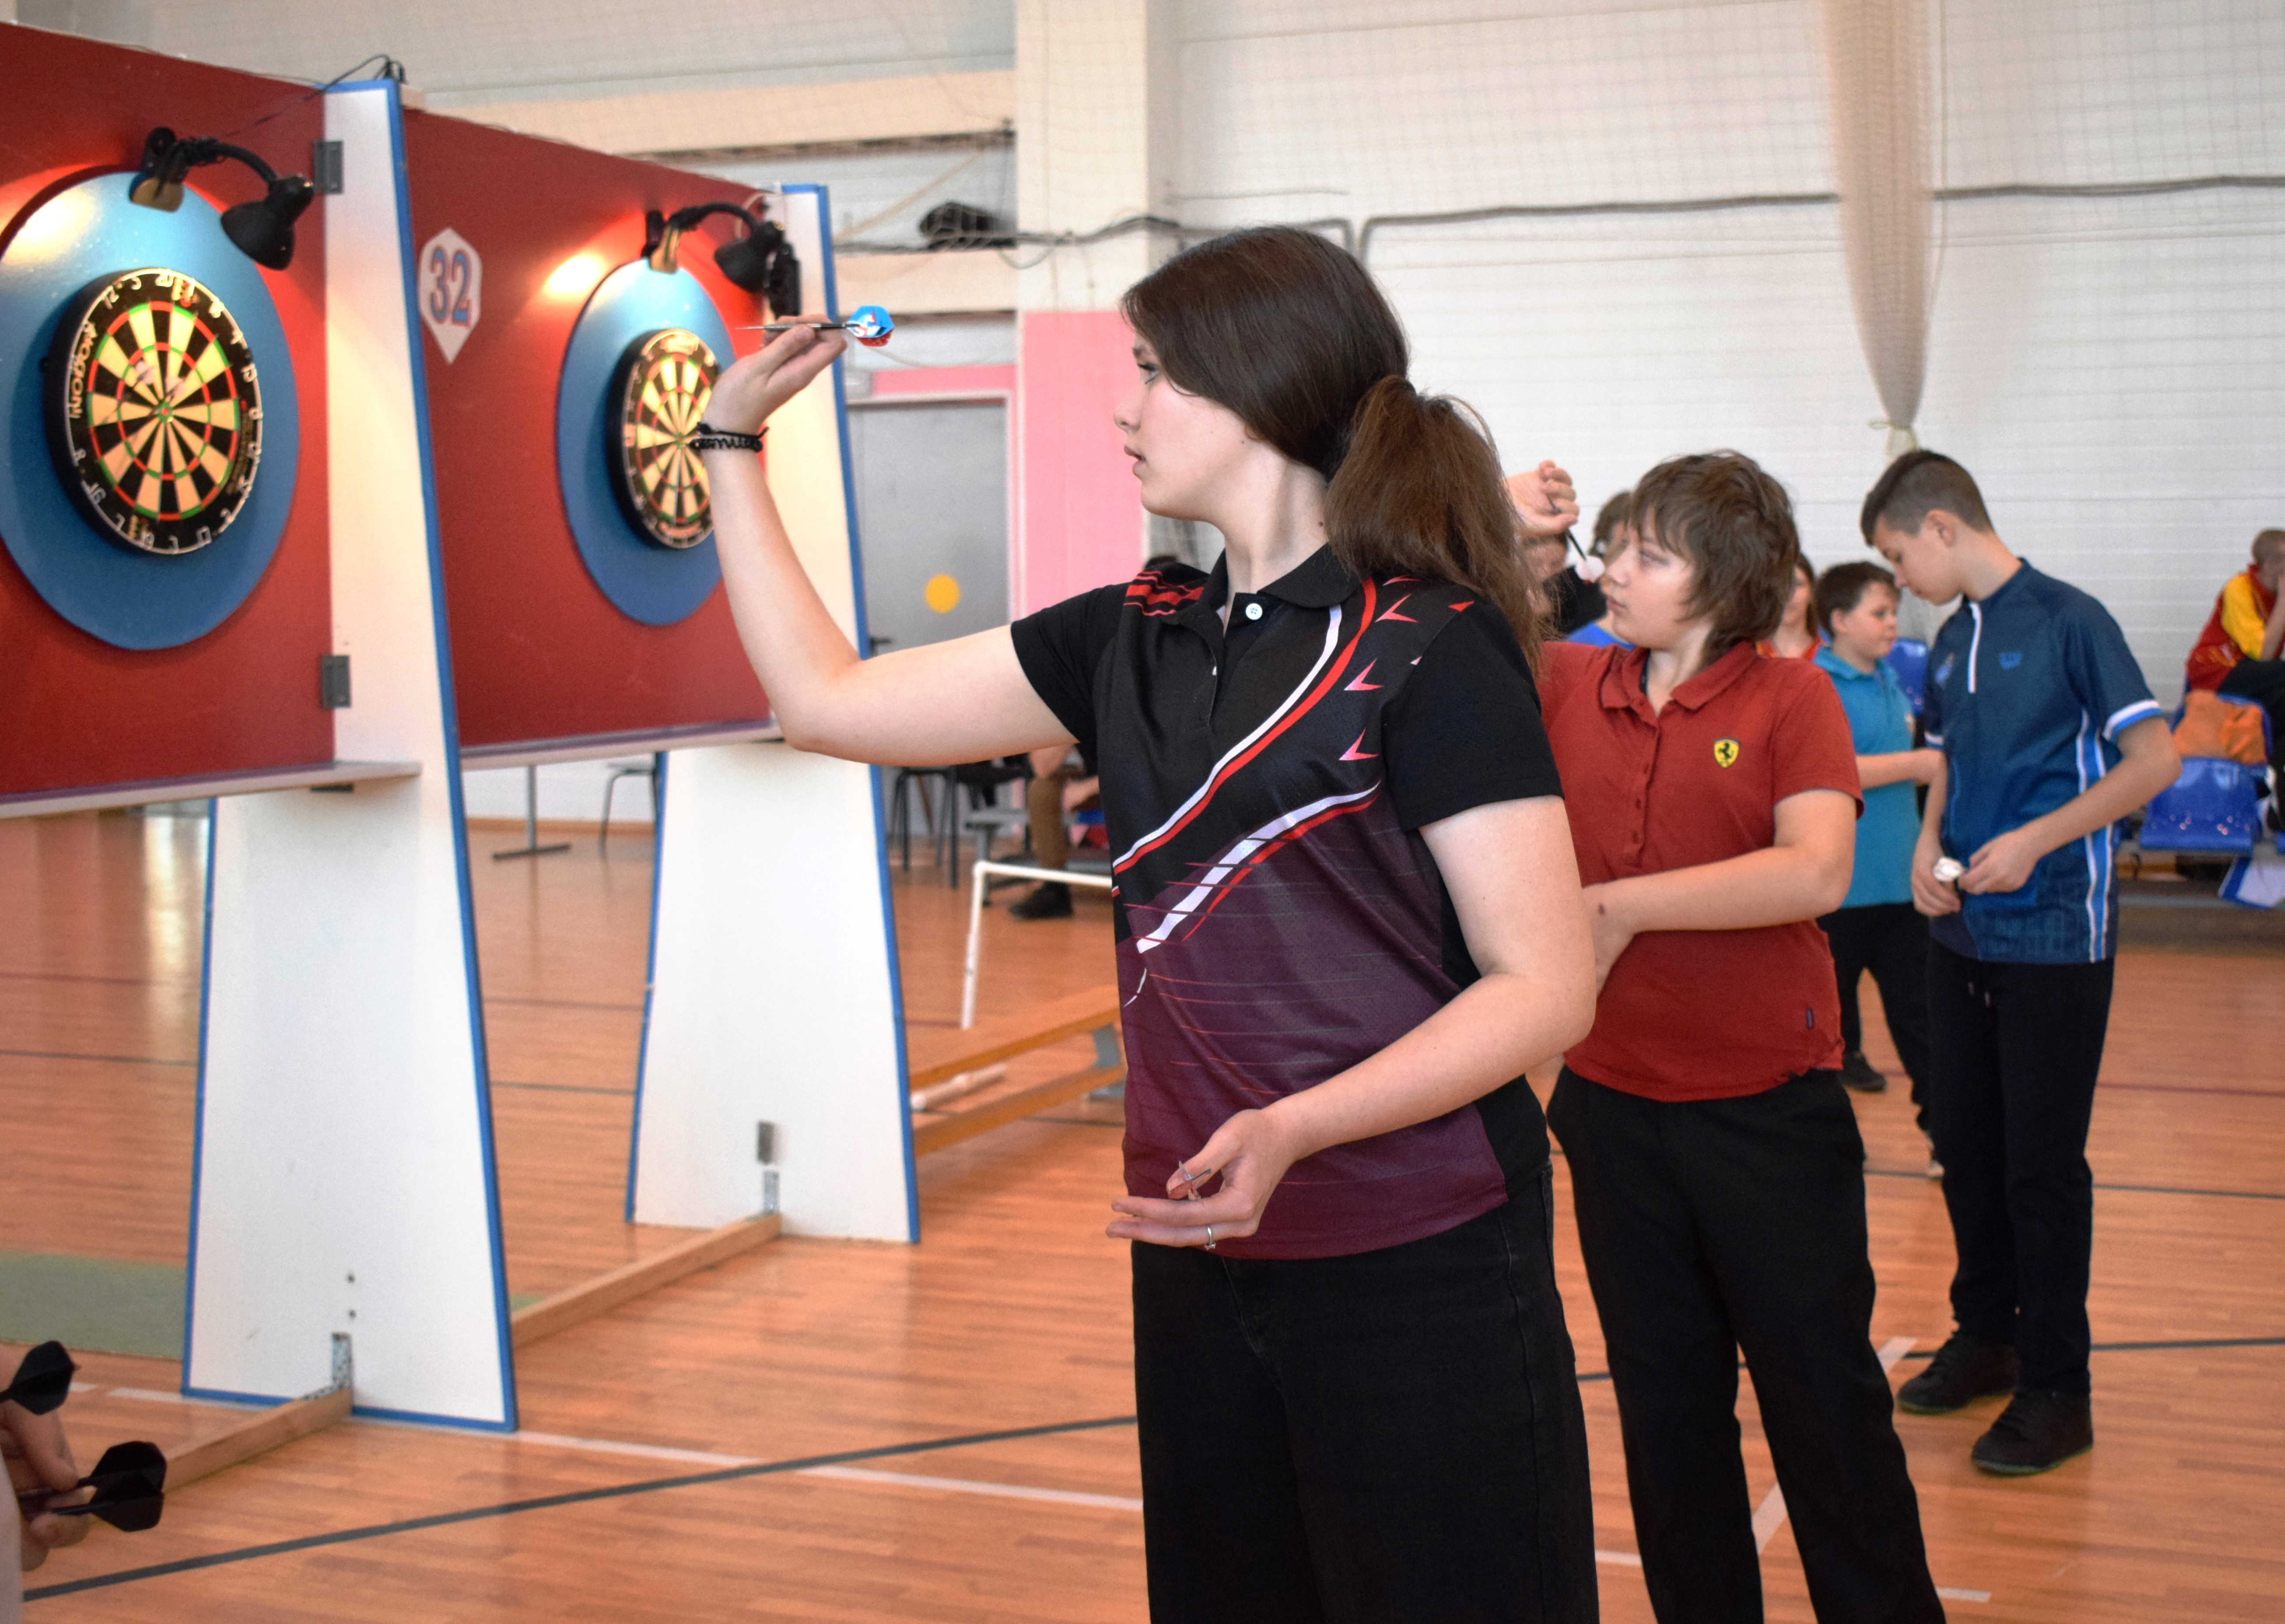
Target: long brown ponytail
{"points": [[1292, 334]]}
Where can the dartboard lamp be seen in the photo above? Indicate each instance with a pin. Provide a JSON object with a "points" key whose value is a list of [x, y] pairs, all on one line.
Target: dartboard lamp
{"points": [[262, 230], [761, 262]]}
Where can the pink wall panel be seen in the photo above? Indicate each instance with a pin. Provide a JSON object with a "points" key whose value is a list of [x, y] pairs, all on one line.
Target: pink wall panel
{"points": [[943, 380], [1081, 521]]}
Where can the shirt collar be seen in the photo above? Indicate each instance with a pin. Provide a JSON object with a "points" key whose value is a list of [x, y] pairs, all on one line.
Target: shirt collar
{"points": [[1622, 682], [1319, 580], [2008, 585], [1828, 660]]}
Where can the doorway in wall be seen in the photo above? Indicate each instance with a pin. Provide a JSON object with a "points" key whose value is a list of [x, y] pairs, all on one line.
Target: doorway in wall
{"points": [[932, 517]]}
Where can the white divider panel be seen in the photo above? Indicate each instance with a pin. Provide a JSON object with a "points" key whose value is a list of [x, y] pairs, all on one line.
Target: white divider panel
{"points": [[345, 1170], [773, 980]]}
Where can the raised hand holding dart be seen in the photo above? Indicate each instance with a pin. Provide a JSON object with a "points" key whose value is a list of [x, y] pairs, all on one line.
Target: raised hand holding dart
{"points": [[870, 325]]}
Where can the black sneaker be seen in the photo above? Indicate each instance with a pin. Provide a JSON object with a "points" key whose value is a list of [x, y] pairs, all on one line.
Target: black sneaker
{"points": [[1964, 1368], [1857, 1073], [1051, 900], [2038, 1432]]}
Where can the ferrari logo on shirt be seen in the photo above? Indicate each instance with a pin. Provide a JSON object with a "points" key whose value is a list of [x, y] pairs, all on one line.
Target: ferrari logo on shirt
{"points": [[1725, 752]]}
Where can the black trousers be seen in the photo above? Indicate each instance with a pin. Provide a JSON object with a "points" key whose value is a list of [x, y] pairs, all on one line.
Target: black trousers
{"points": [[1722, 1224], [1891, 940], [2014, 1050], [2262, 681], [1387, 1437]]}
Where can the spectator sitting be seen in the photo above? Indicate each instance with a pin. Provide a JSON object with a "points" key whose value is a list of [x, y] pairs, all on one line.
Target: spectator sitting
{"points": [[1795, 638], [1063, 782], [2237, 653]]}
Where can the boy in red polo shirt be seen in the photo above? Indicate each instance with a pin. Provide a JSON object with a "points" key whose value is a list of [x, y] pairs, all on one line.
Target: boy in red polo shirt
{"points": [[1715, 1166]]}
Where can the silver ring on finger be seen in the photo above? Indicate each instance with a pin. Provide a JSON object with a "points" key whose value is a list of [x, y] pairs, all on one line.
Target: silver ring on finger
{"points": [[1210, 1240]]}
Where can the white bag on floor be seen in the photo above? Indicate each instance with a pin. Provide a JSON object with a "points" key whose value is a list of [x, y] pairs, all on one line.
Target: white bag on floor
{"points": [[2257, 880]]}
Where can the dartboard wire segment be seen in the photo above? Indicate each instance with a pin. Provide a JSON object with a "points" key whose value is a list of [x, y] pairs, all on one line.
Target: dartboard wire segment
{"points": [[665, 382], [157, 420]]}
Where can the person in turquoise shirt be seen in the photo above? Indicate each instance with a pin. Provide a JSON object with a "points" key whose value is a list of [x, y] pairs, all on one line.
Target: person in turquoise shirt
{"points": [[1876, 927]]}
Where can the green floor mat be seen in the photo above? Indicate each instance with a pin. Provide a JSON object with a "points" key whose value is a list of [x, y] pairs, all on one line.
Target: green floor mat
{"points": [[100, 1303]]}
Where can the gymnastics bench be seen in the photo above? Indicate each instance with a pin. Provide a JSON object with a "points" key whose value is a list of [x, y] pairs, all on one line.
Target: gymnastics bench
{"points": [[937, 1057]]}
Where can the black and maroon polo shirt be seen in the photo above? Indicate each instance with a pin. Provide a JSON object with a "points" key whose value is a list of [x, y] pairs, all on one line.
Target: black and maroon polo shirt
{"points": [[1279, 918]]}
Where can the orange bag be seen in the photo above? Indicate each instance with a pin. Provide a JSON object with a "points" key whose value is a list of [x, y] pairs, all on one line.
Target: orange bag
{"points": [[2221, 728]]}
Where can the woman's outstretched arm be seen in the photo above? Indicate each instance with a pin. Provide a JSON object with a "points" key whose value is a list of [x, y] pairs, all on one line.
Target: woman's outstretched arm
{"points": [[961, 701]]}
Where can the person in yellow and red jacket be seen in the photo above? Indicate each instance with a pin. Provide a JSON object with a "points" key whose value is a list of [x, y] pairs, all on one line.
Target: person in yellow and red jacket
{"points": [[2237, 653]]}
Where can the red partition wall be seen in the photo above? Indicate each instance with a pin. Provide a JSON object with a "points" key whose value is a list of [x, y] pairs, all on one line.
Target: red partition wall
{"points": [[74, 710], [539, 652]]}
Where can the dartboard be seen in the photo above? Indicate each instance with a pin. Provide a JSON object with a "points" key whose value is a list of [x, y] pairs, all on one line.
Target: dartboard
{"points": [[154, 410], [657, 397]]}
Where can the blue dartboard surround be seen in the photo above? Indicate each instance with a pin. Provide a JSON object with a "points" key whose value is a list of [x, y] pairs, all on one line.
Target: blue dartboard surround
{"points": [[129, 598], [654, 585]]}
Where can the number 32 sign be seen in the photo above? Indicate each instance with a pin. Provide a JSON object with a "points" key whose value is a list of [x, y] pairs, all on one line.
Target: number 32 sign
{"points": [[451, 278]]}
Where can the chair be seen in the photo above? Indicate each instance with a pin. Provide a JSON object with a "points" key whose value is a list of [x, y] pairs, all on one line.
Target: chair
{"points": [[982, 780], [1908, 663], [625, 769], [987, 823], [2214, 806], [912, 783]]}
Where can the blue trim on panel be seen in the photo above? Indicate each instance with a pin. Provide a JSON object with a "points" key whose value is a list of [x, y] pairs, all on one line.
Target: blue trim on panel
{"points": [[374, 1412], [225, 1395], [198, 1110], [864, 645], [650, 967], [449, 708], [370, 1412]]}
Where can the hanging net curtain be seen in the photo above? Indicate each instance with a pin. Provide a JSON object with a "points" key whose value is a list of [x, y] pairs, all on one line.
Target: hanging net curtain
{"points": [[1877, 71]]}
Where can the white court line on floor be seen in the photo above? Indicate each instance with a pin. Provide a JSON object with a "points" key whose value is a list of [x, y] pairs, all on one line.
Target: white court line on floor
{"points": [[972, 1486], [1770, 1516], [1890, 1353], [648, 1452], [1013, 1491]]}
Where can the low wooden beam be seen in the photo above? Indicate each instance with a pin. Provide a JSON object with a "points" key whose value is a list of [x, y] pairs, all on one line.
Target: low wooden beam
{"points": [[257, 1435], [937, 1057], [630, 1281], [950, 1130]]}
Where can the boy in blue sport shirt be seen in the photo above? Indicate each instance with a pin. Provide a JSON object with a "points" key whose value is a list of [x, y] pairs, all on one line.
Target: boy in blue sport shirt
{"points": [[2049, 737], [1877, 929]]}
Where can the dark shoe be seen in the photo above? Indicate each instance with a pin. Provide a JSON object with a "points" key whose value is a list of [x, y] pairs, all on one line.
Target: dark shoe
{"points": [[1964, 1368], [1857, 1073], [2038, 1432], [1051, 900]]}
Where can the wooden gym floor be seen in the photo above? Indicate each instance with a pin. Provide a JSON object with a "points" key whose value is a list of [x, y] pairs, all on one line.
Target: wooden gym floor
{"points": [[831, 1431]]}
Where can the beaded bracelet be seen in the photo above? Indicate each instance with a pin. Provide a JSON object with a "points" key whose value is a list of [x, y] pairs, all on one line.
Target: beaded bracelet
{"points": [[710, 438]]}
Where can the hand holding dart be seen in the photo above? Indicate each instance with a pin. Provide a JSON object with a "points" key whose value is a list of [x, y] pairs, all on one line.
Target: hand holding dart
{"points": [[870, 325]]}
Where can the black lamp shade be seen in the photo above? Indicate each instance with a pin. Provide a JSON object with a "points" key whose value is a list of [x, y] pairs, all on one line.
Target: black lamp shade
{"points": [[746, 261], [263, 232]]}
